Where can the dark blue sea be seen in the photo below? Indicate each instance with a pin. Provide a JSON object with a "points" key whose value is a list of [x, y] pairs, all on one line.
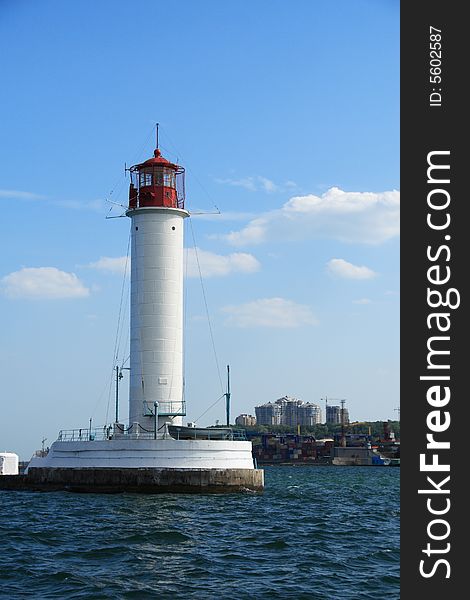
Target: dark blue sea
{"points": [[315, 533]]}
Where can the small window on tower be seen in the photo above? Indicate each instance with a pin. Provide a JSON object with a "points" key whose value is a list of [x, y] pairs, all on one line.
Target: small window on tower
{"points": [[169, 179], [145, 179]]}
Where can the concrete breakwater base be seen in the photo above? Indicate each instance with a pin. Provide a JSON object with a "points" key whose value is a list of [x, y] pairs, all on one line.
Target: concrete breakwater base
{"points": [[142, 480]]}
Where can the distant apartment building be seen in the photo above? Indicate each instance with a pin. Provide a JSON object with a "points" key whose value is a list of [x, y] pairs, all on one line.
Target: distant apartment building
{"points": [[268, 414], [245, 420], [333, 414], [288, 411], [309, 414]]}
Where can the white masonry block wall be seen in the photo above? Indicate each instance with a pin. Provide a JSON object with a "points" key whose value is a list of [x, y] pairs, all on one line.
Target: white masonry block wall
{"points": [[156, 337]]}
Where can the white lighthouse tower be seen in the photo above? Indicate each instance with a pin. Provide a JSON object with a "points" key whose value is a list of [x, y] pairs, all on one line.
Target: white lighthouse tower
{"points": [[156, 208], [155, 452]]}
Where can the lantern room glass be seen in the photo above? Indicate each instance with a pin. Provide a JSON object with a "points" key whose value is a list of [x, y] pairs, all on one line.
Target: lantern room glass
{"points": [[157, 176]]}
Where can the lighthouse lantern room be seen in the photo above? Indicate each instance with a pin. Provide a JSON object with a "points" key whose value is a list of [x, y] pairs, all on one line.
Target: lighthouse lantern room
{"points": [[156, 182]]}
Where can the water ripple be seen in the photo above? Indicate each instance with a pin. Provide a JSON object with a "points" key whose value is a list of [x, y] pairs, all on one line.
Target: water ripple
{"points": [[315, 533]]}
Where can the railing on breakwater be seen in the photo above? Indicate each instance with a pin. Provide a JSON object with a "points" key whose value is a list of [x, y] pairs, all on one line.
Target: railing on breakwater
{"points": [[136, 431]]}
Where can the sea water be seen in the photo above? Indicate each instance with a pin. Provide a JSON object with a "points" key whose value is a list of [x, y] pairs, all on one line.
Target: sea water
{"points": [[315, 533]]}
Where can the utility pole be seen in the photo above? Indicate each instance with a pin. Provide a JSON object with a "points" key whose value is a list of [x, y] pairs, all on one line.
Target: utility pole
{"points": [[343, 437], [155, 423], [119, 376], [227, 397]]}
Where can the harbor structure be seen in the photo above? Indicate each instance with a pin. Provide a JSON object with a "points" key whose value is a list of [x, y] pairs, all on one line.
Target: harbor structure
{"points": [[288, 411], [358, 456], [155, 452]]}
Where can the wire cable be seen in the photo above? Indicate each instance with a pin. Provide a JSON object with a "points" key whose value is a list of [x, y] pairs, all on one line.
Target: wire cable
{"points": [[211, 406], [206, 306], [209, 197], [119, 325]]}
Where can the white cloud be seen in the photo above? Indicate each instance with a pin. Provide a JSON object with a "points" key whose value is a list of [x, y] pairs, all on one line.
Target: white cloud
{"points": [[97, 205], [346, 270], [362, 301], [212, 265], [255, 232], [222, 216], [270, 312], [217, 265], [43, 282], [267, 185], [114, 265], [254, 184], [19, 195], [361, 217], [246, 182]]}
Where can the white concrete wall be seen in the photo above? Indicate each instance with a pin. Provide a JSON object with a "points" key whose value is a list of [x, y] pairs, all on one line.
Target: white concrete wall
{"points": [[8, 463], [156, 338], [163, 453]]}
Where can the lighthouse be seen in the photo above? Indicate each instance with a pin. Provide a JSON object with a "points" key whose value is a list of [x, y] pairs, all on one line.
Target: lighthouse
{"points": [[157, 213], [155, 452]]}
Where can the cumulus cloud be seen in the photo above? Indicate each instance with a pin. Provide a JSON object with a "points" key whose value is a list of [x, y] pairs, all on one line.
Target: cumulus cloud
{"points": [[270, 312], [217, 265], [361, 217], [113, 265], [43, 282], [346, 270]]}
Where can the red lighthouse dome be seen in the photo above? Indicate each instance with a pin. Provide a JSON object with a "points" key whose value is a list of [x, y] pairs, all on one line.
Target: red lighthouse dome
{"points": [[156, 182]]}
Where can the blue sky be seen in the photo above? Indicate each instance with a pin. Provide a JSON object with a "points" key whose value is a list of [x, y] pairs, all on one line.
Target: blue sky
{"points": [[286, 117]]}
